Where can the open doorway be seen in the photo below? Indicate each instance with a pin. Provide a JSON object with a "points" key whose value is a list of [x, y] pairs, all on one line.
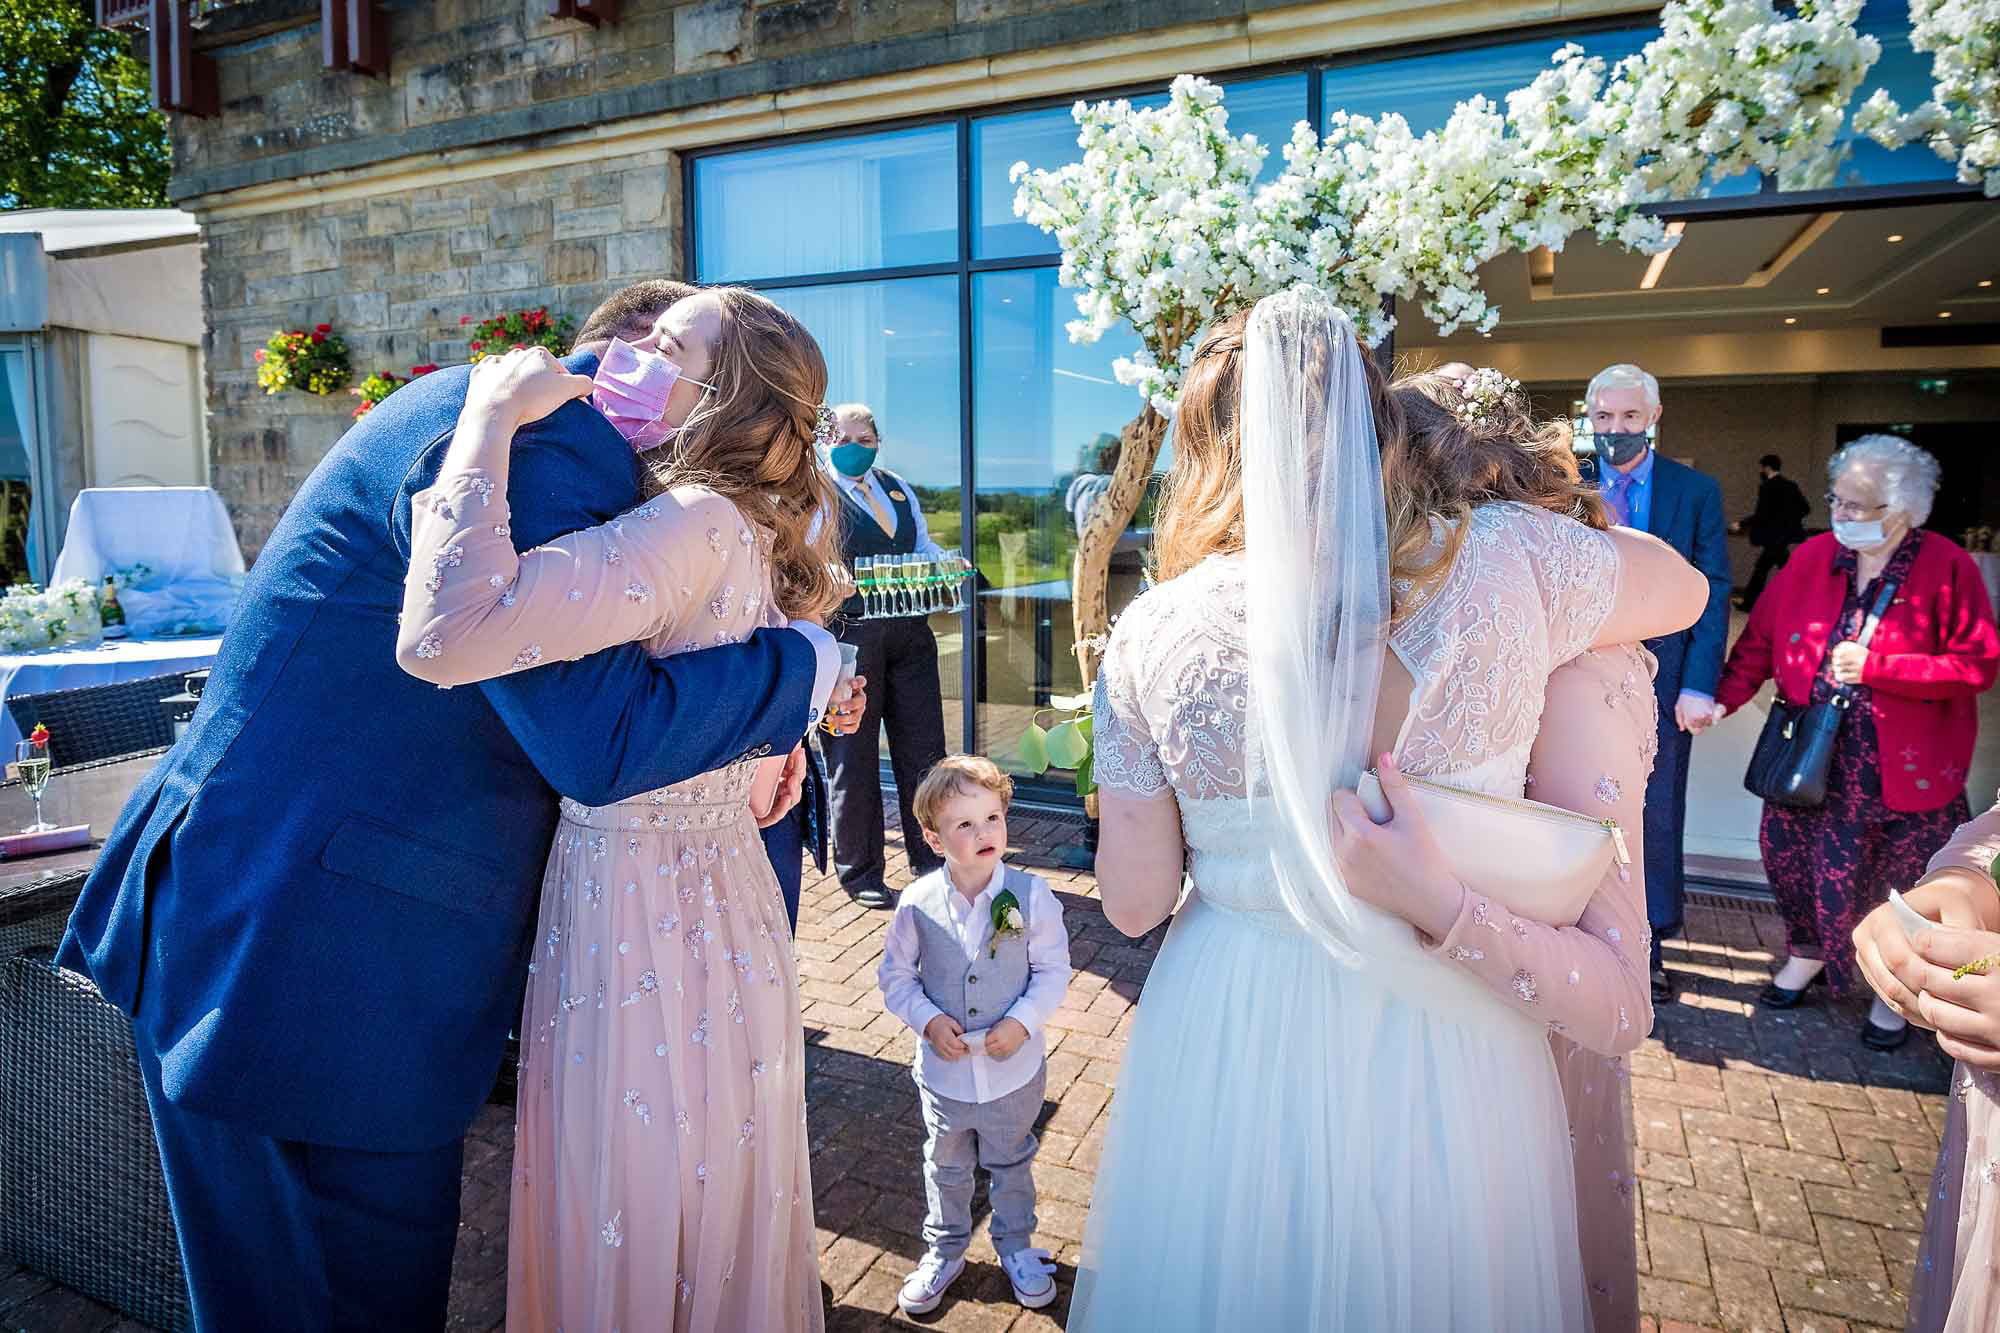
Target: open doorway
{"points": [[1788, 333]]}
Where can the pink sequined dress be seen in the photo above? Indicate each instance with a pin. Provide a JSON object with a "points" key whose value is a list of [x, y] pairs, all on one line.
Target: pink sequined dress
{"points": [[661, 1178], [1958, 1269]]}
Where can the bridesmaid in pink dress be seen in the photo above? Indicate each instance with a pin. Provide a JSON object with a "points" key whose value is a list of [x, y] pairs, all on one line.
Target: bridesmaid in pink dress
{"points": [[661, 1175], [1957, 1287]]}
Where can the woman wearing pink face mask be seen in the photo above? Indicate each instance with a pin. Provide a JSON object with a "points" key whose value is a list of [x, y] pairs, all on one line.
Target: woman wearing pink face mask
{"points": [[660, 1176]]}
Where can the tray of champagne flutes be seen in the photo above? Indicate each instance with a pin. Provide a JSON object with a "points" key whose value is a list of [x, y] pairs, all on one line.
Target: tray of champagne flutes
{"points": [[891, 586]]}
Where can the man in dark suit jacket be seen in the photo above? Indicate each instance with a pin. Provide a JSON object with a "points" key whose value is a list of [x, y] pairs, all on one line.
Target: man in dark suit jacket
{"points": [[800, 834], [317, 909], [1775, 526], [1683, 508]]}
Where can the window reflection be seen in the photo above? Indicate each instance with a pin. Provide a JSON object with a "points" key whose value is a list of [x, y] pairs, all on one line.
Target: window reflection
{"points": [[1047, 413], [1907, 76], [829, 206], [1425, 89], [894, 346], [1045, 139]]}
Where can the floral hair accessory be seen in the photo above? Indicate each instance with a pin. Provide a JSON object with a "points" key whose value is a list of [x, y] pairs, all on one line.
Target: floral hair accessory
{"points": [[824, 427], [1485, 391]]}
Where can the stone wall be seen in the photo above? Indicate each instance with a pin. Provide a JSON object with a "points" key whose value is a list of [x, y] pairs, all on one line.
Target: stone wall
{"points": [[395, 274], [396, 270]]}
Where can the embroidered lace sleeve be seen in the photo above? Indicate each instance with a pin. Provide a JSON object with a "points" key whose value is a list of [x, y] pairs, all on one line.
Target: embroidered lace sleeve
{"points": [[1588, 981], [474, 609], [1576, 569], [1125, 757]]}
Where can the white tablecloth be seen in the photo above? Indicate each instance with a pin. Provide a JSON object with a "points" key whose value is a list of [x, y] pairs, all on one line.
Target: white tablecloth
{"points": [[182, 532], [107, 664]]}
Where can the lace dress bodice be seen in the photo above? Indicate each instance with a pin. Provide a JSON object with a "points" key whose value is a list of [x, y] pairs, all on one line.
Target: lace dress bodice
{"points": [[1526, 594]]}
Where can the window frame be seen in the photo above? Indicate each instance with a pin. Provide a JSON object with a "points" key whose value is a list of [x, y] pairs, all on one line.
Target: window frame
{"points": [[1766, 201]]}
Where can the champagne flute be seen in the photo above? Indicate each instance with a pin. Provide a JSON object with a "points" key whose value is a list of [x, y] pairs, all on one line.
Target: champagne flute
{"points": [[864, 581], [31, 761]]}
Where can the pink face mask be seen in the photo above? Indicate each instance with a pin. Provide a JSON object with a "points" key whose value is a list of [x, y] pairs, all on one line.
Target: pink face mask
{"points": [[631, 389]]}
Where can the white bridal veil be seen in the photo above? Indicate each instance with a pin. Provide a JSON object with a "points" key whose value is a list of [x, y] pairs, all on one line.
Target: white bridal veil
{"points": [[1316, 539]]}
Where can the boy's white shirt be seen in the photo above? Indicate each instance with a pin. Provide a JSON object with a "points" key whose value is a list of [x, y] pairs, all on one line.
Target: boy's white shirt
{"points": [[977, 1077]]}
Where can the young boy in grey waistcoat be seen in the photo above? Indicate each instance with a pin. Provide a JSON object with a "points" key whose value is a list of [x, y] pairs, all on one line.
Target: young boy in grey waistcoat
{"points": [[976, 960]]}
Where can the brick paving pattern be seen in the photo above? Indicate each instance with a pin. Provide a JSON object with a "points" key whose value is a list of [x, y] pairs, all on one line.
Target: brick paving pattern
{"points": [[1783, 1167]]}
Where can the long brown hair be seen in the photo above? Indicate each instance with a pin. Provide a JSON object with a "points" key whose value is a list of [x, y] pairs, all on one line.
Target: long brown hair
{"points": [[751, 440], [1201, 502], [1448, 462]]}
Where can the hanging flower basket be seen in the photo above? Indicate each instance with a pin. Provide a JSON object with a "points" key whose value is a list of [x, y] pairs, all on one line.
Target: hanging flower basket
{"points": [[381, 384], [519, 328], [315, 362]]}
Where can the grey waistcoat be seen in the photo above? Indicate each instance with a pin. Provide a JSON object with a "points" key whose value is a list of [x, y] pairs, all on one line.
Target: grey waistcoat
{"points": [[976, 991]]}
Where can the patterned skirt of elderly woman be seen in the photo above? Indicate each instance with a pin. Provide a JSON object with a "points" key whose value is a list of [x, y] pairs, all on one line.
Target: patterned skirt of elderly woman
{"points": [[661, 1178]]}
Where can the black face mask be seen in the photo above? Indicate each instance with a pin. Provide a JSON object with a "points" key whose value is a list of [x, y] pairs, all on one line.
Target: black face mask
{"points": [[1621, 447]]}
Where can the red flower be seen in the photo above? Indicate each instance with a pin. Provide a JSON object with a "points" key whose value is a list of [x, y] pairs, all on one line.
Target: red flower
{"points": [[259, 354], [322, 328], [319, 337], [421, 370], [363, 410], [535, 318], [464, 320], [519, 348], [477, 344]]}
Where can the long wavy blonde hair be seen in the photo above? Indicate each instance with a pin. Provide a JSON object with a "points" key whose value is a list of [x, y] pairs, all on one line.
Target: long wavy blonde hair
{"points": [[1435, 464], [752, 440], [1201, 501]]}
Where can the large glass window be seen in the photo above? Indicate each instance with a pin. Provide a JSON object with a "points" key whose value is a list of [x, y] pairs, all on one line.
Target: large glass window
{"points": [[1907, 76], [828, 206], [1046, 139], [893, 345], [1046, 417], [1424, 89], [940, 310]]}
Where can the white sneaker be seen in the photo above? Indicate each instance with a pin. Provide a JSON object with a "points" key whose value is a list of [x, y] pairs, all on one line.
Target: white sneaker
{"points": [[924, 1289], [1033, 1274]]}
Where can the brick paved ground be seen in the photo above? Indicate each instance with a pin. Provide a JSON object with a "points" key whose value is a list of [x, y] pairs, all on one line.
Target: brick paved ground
{"points": [[1782, 1165]]}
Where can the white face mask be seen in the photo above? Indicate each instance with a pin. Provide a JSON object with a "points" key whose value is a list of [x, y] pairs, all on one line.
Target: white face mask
{"points": [[1859, 535]]}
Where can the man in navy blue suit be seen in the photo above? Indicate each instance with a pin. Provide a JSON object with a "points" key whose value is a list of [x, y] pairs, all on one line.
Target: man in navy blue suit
{"points": [[1683, 508], [317, 908]]}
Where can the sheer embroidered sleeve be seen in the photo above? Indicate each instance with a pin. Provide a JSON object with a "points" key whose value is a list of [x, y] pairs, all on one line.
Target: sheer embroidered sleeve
{"points": [[1576, 571], [1588, 981], [474, 609], [1125, 754]]}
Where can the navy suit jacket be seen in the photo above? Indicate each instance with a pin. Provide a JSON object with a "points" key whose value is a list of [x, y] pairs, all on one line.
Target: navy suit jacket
{"points": [[802, 831], [1687, 515], [317, 908]]}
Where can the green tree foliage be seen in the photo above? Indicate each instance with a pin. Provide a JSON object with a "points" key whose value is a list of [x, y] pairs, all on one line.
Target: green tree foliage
{"points": [[81, 131]]}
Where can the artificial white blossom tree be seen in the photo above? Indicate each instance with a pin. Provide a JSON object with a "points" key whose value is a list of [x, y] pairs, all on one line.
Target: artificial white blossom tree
{"points": [[1163, 226]]}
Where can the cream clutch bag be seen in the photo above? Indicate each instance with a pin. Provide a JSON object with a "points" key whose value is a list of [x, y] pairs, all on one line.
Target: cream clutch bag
{"points": [[1540, 862]]}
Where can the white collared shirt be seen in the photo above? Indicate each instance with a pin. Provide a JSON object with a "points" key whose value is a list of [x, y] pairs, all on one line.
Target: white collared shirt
{"points": [[859, 488], [977, 1077]]}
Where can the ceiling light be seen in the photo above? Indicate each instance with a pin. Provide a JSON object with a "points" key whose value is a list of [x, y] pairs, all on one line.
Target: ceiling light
{"points": [[1895, 237], [1944, 314], [1986, 282], [1791, 319], [1824, 290], [1659, 264], [888, 333]]}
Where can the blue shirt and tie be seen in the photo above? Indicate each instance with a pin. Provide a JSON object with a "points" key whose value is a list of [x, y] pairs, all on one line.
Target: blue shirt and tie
{"points": [[1630, 494]]}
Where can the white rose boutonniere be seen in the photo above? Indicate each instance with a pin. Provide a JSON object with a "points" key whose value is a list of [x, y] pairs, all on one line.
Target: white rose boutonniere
{"points": [[1007, 920]]}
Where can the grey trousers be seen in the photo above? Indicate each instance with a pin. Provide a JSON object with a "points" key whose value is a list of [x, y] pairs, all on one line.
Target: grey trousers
{"points": [[998, 1135]]}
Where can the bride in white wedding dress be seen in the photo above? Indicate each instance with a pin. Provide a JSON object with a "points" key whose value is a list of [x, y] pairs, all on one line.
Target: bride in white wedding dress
{"points": [[1331, 1115]]}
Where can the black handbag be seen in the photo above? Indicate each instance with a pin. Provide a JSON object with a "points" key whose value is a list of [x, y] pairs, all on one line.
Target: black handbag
{"points": [[1795, 749]]}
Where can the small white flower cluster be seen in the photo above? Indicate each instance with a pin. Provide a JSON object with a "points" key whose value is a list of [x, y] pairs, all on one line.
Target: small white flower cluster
{"points": [[1162, 226], [1484, 392], [1961, 121]]}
